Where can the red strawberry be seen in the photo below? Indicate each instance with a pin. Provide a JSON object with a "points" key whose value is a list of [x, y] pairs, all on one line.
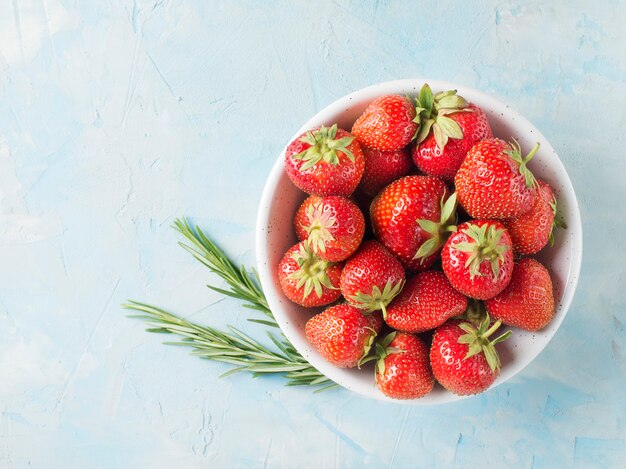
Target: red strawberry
{"points": [[463, 359], [412, 217], [372, 277], [383, 167], [531, 231], [342, 334], [449, 127], [308, 280], [528, 301], [426, 301], [333, 226], [325, 161], [387, 124], [478, 259], [494, 182], [402, 368]]}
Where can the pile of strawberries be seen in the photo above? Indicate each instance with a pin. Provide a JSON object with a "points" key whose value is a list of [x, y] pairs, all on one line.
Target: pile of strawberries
{"points": [[416, 223]]}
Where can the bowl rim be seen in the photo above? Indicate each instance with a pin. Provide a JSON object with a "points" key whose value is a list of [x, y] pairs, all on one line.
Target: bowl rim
{"points": [[335, 108]]}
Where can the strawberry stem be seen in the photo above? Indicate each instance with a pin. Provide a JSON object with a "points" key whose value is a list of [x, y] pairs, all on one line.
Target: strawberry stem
{"points": [[532, 152], [492, 329]]}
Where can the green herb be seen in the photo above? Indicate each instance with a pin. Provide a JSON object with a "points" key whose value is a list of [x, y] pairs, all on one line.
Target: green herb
{"points": [[233, 347]]}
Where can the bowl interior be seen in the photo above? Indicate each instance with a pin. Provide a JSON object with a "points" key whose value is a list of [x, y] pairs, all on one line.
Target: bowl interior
{"points": [[281, 198]]}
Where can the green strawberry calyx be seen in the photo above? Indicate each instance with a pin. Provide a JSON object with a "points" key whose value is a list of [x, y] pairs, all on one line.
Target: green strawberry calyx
{"points": [[475, 312], [477, 340], [378, 299], [312, 274], [556, 222], [431, 113], [485, 246], [321, 221], [515, 153], [382, 351], [367, 347], [323, 147], [439, 231]]}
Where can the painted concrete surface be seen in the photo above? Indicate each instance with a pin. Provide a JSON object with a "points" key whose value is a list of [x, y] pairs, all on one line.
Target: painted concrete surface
{"points": [[116, 117]]}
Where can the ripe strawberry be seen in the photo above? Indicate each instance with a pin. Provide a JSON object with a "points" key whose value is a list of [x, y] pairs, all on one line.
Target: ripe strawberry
{"points": [[449, 127], [325, 161], [426, 301], [463, 359], [383, 167], [342, 334], [372, 277], [387, 124], [494, 182], [333, 226], [478, 259], [531, 231], [412, 217], [308, 280], [528, 301], [402, 367]]}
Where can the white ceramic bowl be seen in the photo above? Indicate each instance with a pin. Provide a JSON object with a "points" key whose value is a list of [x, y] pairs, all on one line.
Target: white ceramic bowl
{"points": [[275, 234]]}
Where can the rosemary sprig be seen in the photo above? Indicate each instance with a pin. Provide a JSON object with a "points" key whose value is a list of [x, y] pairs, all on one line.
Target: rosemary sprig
{"points": [[242, 285], [233, 347]]}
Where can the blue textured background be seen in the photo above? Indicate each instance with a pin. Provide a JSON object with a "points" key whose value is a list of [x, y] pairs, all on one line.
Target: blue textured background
{"points": [[116, 117]]}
